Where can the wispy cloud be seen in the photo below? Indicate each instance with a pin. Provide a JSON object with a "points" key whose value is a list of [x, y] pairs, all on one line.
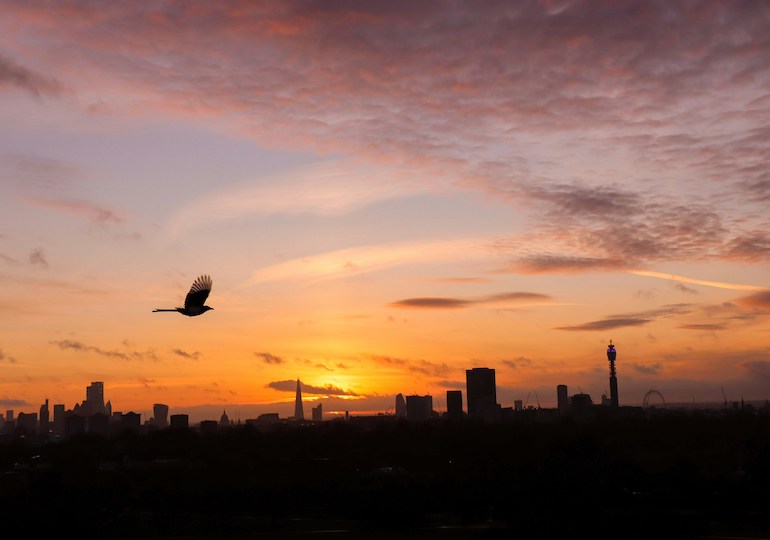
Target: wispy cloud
{"points": [[430, 369], [128, 355], [15, 75], [195, 355], [684, 288], [6, 358], [269, 358], [647, 369], [455, 303], [634, 319], [358, 260], [327, 390], [323, 189], [461, 280], [615, 109], [420, 366], [759, 300], [751, 247], [706, 327], [519, 362], [606, 324], [539, 264], [11, 402], [8, 259], [81, 209], [707, 283], [37, 257]]}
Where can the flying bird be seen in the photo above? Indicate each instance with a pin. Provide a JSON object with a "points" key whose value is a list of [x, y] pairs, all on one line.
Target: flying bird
{"points": [[193, 303]]}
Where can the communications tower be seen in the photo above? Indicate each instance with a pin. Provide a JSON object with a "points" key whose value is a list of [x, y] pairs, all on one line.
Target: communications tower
{"points": [[611, 353]]}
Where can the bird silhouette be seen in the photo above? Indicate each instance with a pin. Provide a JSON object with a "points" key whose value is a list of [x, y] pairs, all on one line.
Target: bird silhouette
{"points": [[193, 302]]}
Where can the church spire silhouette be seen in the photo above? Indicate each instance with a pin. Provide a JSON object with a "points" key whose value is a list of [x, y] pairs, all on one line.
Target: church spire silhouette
{"points": [[299, 413]]}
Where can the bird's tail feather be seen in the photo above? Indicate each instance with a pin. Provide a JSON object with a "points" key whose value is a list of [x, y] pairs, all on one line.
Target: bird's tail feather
{"points": [[154, 310]]}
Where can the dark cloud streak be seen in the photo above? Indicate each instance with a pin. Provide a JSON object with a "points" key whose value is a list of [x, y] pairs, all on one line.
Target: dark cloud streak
{"points": [[18, 76], [457, 303], [328, 390]]}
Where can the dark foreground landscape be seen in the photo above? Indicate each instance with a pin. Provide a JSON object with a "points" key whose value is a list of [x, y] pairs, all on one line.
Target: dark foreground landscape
{"points": [[673, 475]]}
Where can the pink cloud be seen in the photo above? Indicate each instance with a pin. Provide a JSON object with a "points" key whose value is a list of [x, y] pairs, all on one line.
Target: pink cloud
{"points": [[528, 102], [759, 300], [84, 210]]}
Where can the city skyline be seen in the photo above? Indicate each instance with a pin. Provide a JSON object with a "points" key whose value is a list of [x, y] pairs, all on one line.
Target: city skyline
{"points": [[384, 196], [477, 400]]}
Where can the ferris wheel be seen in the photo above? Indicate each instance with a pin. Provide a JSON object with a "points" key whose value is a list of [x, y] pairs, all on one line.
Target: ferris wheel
{"points": [[657, 399]]}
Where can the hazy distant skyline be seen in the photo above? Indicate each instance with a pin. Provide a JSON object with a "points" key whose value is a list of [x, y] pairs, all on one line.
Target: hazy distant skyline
{"points": [[385, 194]]}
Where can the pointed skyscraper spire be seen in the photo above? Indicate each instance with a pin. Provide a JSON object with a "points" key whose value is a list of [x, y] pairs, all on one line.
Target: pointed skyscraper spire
{"points": [[299, 413]]}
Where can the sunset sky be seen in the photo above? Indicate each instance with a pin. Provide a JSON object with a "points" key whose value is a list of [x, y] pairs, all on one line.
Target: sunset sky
{"points": [[385, 194]]}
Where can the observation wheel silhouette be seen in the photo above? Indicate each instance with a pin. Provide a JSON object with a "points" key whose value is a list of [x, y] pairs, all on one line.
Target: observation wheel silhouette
{"points": [[656, 397]]}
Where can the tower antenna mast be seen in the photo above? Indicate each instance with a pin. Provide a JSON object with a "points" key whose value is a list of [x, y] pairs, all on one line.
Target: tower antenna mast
{"points": [[611, 354]]}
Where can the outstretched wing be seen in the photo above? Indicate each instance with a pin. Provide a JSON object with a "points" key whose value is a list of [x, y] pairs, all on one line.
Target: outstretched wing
{"points": [[198, 292]]}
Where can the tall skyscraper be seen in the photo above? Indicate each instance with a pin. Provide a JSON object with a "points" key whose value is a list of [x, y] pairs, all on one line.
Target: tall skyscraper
{"points": [[160, 415], [454, 404], [44, 424], [318, 415], [482, 393], [562, 399], [95, 398], [400, 406], [299, 412], [59, 413], [611, 353]]}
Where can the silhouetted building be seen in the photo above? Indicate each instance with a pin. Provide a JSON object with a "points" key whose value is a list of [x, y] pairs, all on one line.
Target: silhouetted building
{"points": [[562, 399], [160, 415], [268, 418], [400, 406], [98, 423], [26, 423], [419, 408], [208, 427], [224, 421], [180, 421], [74, 424], [299, 412], [59, 415], [94, 402], [518, 405], [131, 421], [44, 424], [318, 413], [9, 415], [581, 406], [454, 404], [482, 394], [611, 354]]}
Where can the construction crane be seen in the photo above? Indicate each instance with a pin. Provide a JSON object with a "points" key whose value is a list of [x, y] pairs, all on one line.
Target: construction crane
{"points": [[536, 398]]}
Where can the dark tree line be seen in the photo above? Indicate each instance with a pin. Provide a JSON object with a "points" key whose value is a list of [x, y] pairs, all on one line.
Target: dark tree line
{"points": [[670, 476]]}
